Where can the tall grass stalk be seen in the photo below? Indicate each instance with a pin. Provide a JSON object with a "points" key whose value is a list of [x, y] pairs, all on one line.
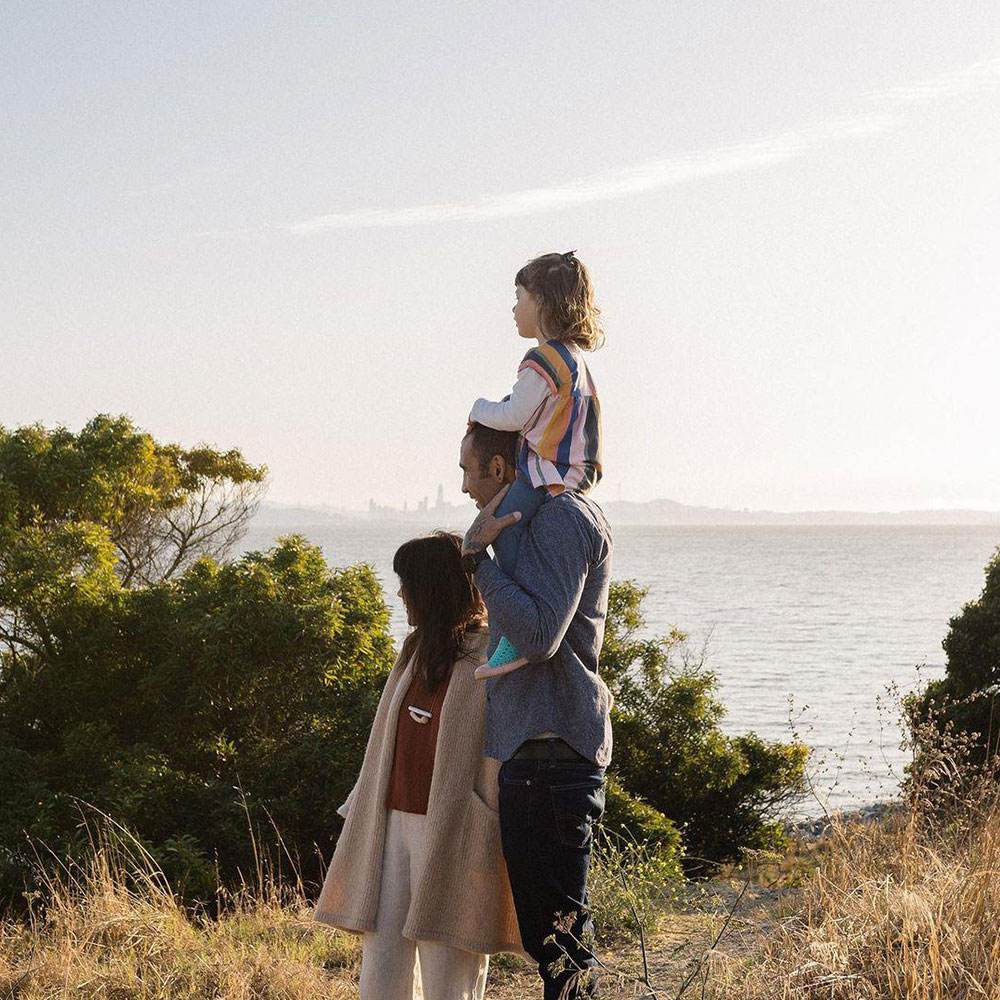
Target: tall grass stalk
{"points": [[109, 926]]}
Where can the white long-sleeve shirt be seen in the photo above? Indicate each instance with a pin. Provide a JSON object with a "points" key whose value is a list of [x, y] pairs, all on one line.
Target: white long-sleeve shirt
{"points": [[513, 413]]}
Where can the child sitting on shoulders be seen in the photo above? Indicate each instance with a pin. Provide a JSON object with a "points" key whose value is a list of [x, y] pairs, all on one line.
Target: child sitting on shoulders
{"points": [[553, 405]]}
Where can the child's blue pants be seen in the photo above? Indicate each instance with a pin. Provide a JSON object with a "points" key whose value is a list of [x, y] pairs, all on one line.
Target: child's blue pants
{"points": [[527, 499]]}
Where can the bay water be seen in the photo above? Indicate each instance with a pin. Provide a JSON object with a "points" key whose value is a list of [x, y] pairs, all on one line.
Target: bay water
{"points": [[810, 630]]}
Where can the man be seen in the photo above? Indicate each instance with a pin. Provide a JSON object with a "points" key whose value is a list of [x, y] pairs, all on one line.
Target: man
{"points": [[549, 721]]}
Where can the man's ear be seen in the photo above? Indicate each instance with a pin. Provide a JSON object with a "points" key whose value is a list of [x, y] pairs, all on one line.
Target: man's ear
{"points": [[497, 467]]}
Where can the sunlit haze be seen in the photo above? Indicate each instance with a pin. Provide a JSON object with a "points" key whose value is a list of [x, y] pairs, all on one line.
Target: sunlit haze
{"points": [[293, 229]]}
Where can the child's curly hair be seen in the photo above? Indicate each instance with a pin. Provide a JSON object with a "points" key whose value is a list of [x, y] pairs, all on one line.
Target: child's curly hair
{"points": [[565, 296]]}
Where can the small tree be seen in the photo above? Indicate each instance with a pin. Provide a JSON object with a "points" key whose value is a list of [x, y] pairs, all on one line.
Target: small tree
{"points": [[160, 506]]}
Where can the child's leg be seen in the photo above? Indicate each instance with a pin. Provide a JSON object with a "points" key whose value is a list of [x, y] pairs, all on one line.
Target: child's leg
{"points": [[524, 497], [521, 496]]}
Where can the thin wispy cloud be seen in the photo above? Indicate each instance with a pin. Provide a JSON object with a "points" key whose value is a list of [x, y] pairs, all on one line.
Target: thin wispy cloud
{"points": [[886, 111], [648, 175], [973, 79]]}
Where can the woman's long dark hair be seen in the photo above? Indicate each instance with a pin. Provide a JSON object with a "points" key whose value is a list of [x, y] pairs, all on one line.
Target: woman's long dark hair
{"points": [[442, 601]]}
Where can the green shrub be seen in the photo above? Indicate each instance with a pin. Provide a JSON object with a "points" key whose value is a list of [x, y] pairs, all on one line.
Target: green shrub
{"points": [[725, 794], [965, 701], [628, 816], [203, 705], [237, 699]]}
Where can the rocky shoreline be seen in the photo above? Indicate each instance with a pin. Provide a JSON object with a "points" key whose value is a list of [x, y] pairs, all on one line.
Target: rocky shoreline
{"points": [[813, 829]]}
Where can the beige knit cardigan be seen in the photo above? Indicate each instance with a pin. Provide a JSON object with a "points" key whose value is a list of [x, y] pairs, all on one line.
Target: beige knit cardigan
{"points": [[463, 898]]}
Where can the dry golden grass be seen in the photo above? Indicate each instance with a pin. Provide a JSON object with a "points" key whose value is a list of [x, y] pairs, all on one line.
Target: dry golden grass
{"points": [[893, 910], [906, 907], [112, 929]]}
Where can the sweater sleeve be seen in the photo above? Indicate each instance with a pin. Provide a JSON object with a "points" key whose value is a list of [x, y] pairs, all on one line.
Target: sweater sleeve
{"points": [[513, 413], [390, 683]]}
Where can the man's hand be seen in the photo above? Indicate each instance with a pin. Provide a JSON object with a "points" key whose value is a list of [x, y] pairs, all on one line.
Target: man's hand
{"points": [[484, 530]]}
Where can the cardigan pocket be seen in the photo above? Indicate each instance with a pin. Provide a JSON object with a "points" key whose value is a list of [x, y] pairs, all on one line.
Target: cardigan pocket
{"points": [[482, 835], [486, 805]]}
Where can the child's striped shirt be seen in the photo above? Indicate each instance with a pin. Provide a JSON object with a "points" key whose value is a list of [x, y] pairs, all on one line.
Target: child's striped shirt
{"points": [[554, 405]]}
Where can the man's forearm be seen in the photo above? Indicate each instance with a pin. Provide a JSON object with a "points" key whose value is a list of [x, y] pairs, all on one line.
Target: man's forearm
{"points": [[534, 622], [515, 613]]}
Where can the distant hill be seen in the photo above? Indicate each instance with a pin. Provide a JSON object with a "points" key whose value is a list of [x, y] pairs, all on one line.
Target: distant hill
{"points": [[625, 512], [670, 512]]}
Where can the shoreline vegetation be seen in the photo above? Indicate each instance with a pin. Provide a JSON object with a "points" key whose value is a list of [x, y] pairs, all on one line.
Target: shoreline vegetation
{"points": [[178, 726]]}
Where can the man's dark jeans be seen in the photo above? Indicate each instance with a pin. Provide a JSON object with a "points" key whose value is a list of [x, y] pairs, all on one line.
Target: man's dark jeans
{"points": [[547, 812]]}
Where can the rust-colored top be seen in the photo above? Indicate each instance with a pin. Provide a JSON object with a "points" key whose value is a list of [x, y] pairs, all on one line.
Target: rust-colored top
{"points": [[416, 742]]}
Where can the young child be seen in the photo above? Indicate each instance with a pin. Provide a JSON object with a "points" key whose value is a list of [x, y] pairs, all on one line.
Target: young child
{"points": [[553, 405]]}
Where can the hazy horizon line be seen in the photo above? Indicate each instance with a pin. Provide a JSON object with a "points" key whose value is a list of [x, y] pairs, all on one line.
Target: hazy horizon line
{"points": [[933, 507]]}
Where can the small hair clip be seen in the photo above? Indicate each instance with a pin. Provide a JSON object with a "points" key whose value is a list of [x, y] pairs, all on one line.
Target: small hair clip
{"points": [[568, 257]]}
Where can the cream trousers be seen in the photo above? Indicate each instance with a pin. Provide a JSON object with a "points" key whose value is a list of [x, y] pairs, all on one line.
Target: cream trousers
{"points": [[394, 967]]}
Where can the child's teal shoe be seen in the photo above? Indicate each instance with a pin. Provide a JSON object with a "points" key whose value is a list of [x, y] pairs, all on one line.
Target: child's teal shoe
{"points": [[505, 659], [505, 653]]}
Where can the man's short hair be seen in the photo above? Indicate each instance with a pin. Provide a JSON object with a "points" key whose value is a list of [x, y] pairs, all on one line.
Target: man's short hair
{"points": [[487, 442]]}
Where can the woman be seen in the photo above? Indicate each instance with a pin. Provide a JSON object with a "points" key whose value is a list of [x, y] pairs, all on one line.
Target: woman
{"points": [[418, 868]]}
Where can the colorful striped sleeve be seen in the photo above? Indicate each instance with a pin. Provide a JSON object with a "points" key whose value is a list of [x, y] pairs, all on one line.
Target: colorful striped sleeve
{"points": [[546, 362]]}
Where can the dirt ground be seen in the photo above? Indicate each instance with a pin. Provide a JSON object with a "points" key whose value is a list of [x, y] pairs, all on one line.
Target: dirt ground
{"points": [[677, 950]]}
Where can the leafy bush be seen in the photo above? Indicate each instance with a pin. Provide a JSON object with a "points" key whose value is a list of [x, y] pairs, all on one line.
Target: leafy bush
{"points": [[238, 694], [965, 701], [630, 884], [724, 793], [188, 706], [628, 816]]}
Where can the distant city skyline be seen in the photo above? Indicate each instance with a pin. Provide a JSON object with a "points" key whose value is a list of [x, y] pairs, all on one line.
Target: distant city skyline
{"points": [[662, 510], [293, 230]]}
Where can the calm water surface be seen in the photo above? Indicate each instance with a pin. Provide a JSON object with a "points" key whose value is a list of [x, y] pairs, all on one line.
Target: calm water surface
{"points": [[806, 627]]}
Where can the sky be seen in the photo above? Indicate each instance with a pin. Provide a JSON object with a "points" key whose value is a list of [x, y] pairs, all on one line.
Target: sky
{"points": [[293, 229]]}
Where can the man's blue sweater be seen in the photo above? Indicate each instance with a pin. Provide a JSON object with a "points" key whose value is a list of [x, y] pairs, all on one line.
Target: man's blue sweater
{"points": [[554, 612]]}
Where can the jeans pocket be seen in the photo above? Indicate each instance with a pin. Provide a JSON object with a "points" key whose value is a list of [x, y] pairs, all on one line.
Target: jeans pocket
{"points": [[576, 808]]}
